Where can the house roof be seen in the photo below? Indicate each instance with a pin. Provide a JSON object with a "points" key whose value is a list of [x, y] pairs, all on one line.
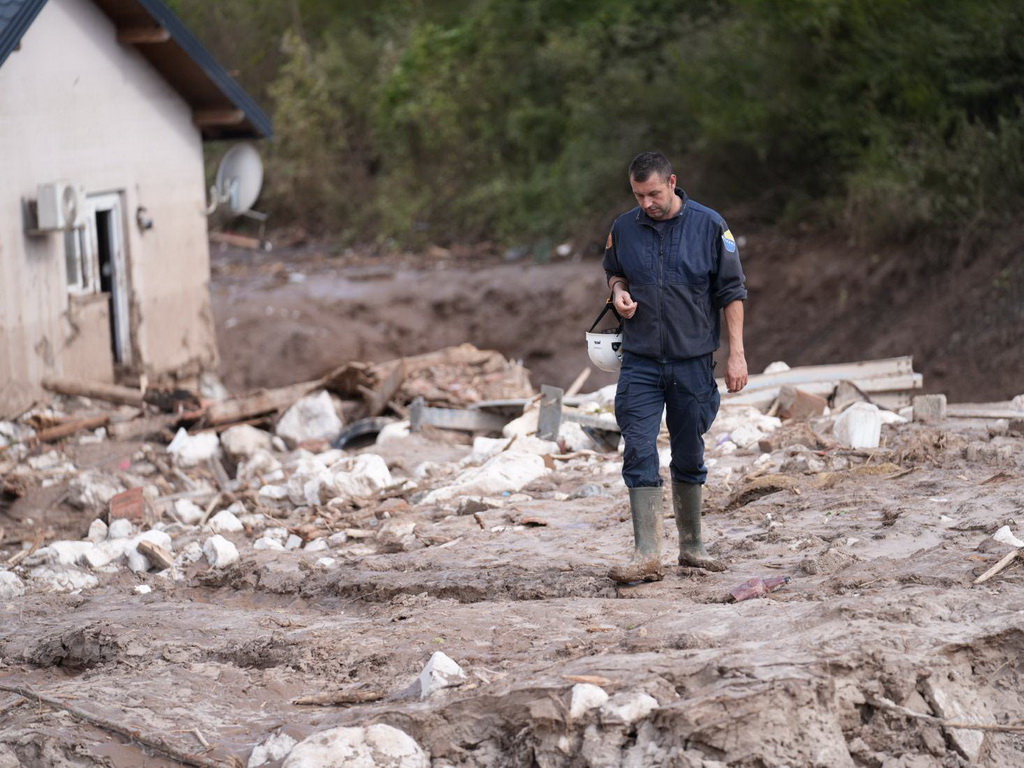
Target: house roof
{"points": [[220, 106]]}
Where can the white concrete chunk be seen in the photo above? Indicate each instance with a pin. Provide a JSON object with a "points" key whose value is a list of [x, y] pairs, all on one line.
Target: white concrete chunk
{"points": [[265, 543], [243, 441], [859, 426], [362, 476], [504, 472], [190, 450], [628, 707], [1005, 536], [10, 585], [586, 697], [293, 542], [66, 552], [120, 529], [188, 511], [376, 746], [192, 553], [440, 672], [226, 522], [274, 747], [220, 553], [62, 579], [393, 433], [93, 491], [311, 418], [97, 531], [106, 552]]}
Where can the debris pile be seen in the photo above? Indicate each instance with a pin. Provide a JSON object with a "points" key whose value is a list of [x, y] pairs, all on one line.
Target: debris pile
{"points": [[419, 488]]}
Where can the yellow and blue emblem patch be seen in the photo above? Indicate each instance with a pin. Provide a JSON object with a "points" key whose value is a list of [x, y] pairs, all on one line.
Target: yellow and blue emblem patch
{"points": [[729, 241]]}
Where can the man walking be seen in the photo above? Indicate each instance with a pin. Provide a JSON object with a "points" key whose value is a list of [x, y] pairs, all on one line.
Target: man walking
{"points": [[673, 268]]}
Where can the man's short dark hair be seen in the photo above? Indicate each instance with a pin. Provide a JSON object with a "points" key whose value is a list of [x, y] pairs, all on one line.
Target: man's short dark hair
{"points": [[647, 163]]}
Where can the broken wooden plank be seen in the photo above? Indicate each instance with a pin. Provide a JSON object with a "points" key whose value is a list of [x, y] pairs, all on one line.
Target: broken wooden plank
{"points": [[420, 415], [260, 402], [1001, 565], [70, 427], [111, 393]]}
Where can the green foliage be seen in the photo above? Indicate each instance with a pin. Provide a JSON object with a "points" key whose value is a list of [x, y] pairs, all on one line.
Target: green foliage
{"points": [[514, 121]]}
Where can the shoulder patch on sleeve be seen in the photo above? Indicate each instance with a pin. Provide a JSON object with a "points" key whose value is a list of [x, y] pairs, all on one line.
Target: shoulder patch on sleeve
{"points": [[609, 243], [727, 239]]}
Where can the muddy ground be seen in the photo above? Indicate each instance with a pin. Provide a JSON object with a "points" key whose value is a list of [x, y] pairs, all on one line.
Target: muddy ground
{"points": [[881, 547]]}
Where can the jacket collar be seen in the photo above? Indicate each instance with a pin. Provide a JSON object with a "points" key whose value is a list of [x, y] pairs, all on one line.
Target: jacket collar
{"points": [[643, 218]]}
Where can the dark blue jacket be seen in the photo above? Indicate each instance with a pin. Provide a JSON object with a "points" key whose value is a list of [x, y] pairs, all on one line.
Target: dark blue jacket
{"points": [[680, 280]]}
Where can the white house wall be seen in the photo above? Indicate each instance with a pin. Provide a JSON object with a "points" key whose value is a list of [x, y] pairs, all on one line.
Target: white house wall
{"points": [[77, 105]]}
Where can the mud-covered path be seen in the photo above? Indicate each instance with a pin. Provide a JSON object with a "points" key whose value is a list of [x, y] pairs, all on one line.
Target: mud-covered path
{"points": [[882, 548]]}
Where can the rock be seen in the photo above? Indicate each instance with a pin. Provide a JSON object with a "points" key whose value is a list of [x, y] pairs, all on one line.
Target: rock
{"points": [[107, 552], [225, 522], [241, 442], [66, 552], [188, 512], [192, 553], [190, 450], [274, 495], [627, 708], [266, 543], [293, 542], [588, 491], [93, 491], [143, 589], [10, 585], [440, 672], [393, 433], [263, 466], [311, 418], [219, 552], [375, 746], [859, 426], [929, 408], [317, 545], [585, 697], [63, 579], [97, 531], [361, 476], [120, 529], [504, 472], [274, 747]]}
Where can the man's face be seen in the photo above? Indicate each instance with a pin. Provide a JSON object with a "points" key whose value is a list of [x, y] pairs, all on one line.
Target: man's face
{"points": [[656, 195]]}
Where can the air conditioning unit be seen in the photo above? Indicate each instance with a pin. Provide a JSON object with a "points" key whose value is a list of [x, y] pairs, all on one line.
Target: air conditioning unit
{"points": [[60, 206]]}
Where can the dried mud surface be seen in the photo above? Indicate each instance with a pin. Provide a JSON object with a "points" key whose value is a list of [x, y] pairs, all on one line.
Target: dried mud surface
{"points": [[881, 546]]}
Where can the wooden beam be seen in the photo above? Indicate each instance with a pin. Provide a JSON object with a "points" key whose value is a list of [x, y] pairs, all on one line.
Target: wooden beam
{"points": [[213, 117], [96, 390], [142, 35], [265, 401]]}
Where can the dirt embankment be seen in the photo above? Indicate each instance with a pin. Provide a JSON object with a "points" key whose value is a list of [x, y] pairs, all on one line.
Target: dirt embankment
{"points": [[292, 315]]}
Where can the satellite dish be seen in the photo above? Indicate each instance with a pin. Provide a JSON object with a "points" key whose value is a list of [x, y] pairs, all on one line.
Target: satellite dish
{"points": [[239, 179]]}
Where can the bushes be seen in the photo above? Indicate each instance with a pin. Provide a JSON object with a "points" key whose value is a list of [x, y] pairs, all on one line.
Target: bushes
{"points": [[515, 121]]}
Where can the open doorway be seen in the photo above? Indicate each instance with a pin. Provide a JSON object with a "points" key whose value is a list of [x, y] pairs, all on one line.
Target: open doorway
{"points": [[105, 225]]}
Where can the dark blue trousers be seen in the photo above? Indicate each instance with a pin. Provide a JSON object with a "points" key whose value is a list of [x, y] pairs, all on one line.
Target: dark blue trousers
{"points": [[685, 390]]}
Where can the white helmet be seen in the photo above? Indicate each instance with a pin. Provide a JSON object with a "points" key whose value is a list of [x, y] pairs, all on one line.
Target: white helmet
{"points": [[605, 347]]}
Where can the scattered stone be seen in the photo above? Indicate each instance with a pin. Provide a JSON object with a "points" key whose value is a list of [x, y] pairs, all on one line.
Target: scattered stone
{"points": [[590, 490], [267, 543], [311, 418], [361, 476], [10, 585], [120, 529], [585, 697], [440, 672], [143, 589], [627, 708], [192, 553], [504, 472], [65, 552], [92, 491], [191, 450], [929, 408], [225, 522], [275, 747], [188, 512], [219, 552], [375, 746], [62, 579], [316, 545], [97, 531], [859, 426], [241, 442]]}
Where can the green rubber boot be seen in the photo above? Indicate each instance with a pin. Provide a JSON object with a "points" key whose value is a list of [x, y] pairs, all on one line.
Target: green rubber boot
{"points": [[645, 505], [686, 501]]}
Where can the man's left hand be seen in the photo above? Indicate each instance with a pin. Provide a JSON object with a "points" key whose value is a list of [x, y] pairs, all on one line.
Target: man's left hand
{"points": [[736, 372]]}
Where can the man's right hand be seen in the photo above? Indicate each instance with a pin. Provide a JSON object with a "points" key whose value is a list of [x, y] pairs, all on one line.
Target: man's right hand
{"points": [[624, 303]]}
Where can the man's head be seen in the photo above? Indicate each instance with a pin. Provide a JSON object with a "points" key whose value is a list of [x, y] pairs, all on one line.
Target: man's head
{"points": [[654, 185]]}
